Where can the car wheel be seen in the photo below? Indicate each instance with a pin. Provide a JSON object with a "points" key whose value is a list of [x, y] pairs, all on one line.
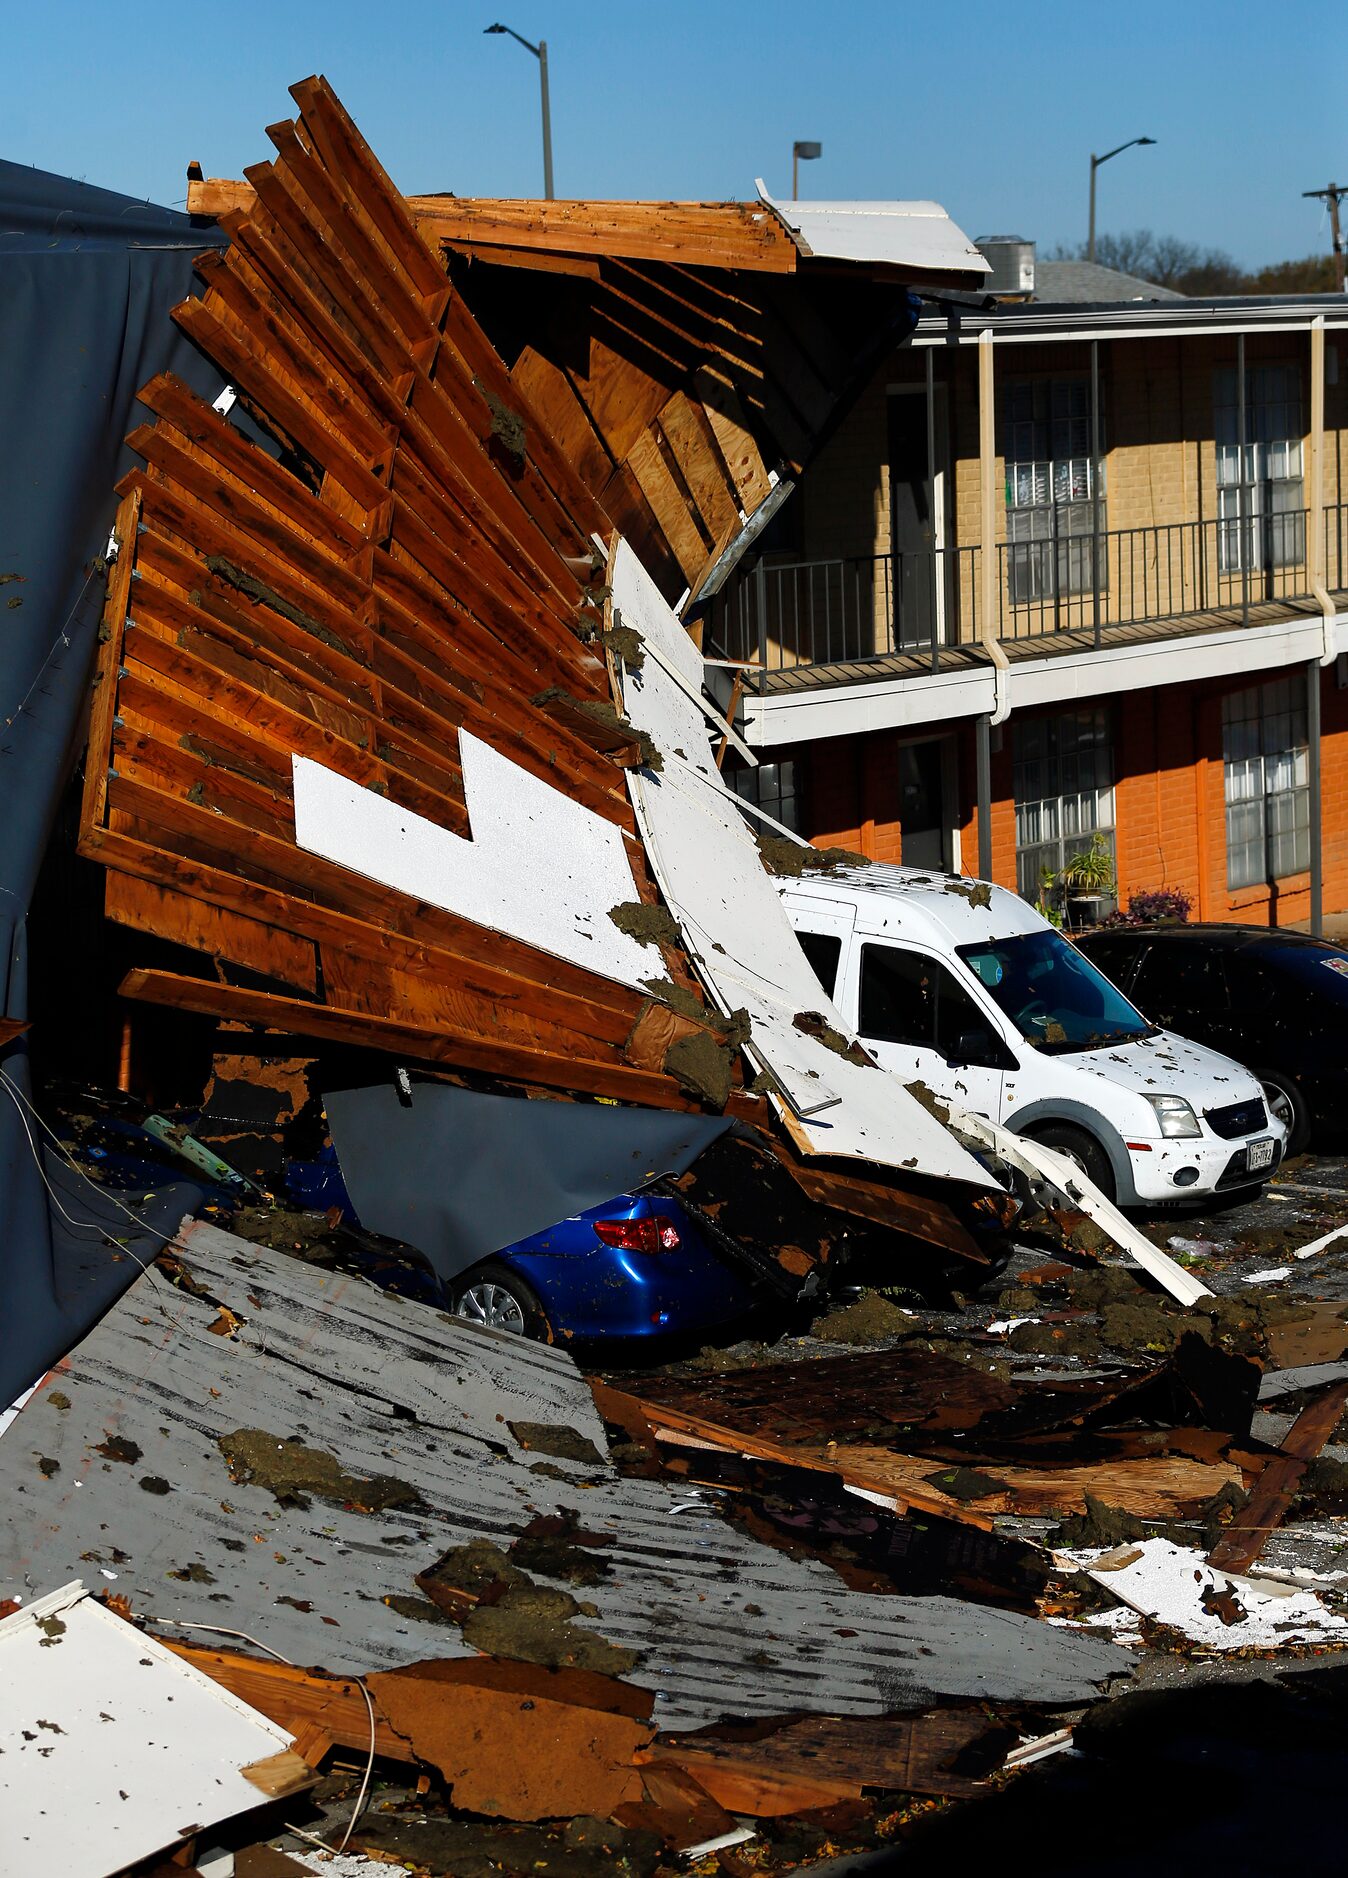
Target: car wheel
{"points": [[1287, 1104], [1082, 1148], [492, 1295]]}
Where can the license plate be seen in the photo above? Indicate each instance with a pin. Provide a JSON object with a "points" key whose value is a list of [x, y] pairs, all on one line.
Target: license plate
{"points": [[1260, 1154]]}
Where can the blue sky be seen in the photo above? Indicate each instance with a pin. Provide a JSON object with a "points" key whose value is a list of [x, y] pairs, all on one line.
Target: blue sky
{"points": [[992, 109]]}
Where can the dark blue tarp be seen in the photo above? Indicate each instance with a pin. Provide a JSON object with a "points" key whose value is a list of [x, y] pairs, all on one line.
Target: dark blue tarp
{"points": [[87, 281], [458, 1174]]}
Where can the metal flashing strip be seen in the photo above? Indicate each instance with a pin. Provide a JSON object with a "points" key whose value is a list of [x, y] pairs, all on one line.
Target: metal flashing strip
{"points": [[1153, 320], [711, 873]]}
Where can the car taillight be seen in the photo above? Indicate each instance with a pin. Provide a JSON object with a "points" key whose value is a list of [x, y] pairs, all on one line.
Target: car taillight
{"points": [[655, 1234]]}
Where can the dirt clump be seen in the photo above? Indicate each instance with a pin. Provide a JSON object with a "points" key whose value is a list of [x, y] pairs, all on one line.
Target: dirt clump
{"points": [[648, 925], [791, 859], [815, 1024], [558, 1439], [870, 1318], [626, 644], [557, 1546], [1099, 1525], [469, 1572], [531, 1624], [702, 1067], [291, 1471]]}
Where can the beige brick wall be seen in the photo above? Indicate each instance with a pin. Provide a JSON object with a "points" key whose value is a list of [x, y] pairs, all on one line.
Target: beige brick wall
{"points": [[1159, 456]]}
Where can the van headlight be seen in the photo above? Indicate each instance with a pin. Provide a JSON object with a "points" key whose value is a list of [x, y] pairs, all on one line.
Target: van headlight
{"points": [[1175, 1115]]}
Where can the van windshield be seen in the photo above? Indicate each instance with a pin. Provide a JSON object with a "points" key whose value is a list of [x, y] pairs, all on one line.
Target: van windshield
{"points": [[1055, 997]]}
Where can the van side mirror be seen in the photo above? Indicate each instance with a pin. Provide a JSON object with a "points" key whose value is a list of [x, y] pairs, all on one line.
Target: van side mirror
{"points": [[980, 1049]]}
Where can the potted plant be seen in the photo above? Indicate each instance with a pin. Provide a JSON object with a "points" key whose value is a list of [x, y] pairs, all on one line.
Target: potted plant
{"points": [[1049, 902], [1089, 880]]}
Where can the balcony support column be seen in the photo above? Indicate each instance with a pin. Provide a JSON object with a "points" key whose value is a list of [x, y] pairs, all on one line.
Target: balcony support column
{"points": [[989, 599], [1244, 489], [1095, 485], [983, 754]]}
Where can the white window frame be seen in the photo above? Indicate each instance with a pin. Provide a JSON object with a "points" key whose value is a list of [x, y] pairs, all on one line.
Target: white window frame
{"points": [[1266, 777], [1063, 790]]}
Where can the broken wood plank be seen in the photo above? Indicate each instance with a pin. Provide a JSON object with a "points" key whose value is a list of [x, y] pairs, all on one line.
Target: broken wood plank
{"points": [[1245, 1538], [190, 922], [1160, 1487], [518, 1742], [299, 1699], [652, 1421], [110, 633], [794, 1764]]}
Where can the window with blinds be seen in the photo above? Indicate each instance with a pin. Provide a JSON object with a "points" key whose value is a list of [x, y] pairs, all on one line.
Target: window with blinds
{"points": [[1046, 441], [1267, 772], [1260, 491], [1064, 790]]}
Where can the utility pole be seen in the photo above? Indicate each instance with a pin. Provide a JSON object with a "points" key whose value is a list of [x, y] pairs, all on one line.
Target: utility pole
{"points": [[1331, 196]]}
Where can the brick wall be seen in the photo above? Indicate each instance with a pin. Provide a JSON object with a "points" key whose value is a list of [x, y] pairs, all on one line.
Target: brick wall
{"points": [[1169, 801]]}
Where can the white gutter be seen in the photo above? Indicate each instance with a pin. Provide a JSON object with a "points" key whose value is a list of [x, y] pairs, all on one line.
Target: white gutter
{"points": [[987, 476], [1329, 649]]}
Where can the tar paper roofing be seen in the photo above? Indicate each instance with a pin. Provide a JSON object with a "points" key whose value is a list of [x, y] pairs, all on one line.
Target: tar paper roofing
{"points": [[390, 1388]]}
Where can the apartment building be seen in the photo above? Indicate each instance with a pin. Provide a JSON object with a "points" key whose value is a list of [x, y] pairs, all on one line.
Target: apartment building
{"points": [[1064, 570]]}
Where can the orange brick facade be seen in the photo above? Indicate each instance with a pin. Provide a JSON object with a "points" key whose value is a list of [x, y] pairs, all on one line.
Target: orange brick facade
{"points": [[1169, 800]]}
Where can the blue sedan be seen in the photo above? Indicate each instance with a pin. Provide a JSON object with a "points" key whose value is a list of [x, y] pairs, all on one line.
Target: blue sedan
{"points": [[638, 1266]]}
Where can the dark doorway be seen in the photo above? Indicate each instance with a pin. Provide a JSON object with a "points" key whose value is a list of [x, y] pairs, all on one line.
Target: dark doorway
{"points": [[923, 822], [915, 534]]}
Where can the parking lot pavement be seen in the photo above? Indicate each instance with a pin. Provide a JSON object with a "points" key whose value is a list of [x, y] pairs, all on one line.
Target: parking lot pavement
{"points": [[1232, 1245]]}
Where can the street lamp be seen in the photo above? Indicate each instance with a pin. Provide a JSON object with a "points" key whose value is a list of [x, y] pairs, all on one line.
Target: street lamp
{"points": [[1095, 164], [540, 52], [802, 153]]}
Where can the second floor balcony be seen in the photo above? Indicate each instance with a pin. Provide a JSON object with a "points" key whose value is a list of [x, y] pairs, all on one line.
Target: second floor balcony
{"points": [[1063, 587]]}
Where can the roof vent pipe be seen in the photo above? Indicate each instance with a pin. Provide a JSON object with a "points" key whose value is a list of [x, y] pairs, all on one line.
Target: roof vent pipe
{"points": [[1011, 259]]}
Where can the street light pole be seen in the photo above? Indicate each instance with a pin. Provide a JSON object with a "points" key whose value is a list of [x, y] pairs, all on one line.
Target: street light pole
{"points": [[540, 52], [1096, 161]]}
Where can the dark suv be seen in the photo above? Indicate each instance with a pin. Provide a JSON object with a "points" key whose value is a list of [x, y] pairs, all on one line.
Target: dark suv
{"points": [[1276, 1001]]}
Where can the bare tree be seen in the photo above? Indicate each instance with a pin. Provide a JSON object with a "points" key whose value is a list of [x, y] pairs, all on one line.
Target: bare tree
{"points": [[1164, 260]]}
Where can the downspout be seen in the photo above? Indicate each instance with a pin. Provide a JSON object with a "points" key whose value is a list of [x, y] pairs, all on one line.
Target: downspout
{"points": [[1316, 545], [990, 596], [989, 599]]}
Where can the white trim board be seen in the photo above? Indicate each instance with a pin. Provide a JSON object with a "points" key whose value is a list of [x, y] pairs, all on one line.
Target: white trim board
{"points": [[111, 1747], [934, 699]]}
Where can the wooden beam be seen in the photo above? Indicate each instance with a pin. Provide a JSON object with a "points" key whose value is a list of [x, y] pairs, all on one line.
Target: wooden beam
{"points": [[1248, 1533]]}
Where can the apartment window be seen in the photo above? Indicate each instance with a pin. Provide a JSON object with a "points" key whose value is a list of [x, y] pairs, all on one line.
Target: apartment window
{"points": [[1260, 493], [1268, 796], [772, 787], [1050, 514], [1064, 789]]}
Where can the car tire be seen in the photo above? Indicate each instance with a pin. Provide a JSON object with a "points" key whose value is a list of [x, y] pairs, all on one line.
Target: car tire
{"points": [[492, 1295], [1082, 1148], [1286, 1102]]}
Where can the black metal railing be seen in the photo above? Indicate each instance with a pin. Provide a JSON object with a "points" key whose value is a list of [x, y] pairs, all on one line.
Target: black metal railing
{"points": [[855, 609]]}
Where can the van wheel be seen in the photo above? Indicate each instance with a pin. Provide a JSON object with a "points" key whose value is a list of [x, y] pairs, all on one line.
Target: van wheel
{"points": [[1287, 1104], [1082, 1148]]}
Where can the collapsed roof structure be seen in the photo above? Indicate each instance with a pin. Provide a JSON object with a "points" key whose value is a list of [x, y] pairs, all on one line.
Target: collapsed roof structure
{"points": [[393, 725]]}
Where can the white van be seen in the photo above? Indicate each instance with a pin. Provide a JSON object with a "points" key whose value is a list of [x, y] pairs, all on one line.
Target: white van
{"points": [[962, 986]]}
